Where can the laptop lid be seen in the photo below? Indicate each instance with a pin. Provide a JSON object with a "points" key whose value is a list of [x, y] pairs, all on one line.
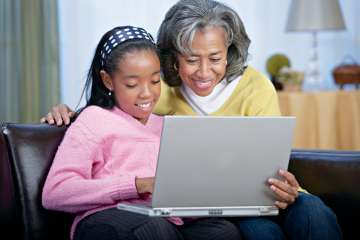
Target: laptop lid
{"points": [[215, 162]]}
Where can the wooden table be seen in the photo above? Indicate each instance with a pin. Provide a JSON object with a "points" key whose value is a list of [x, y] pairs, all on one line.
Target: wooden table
{"points": [[324, 120]]}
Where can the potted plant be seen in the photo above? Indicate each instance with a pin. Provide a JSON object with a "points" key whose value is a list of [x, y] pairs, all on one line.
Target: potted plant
{"points": [[291, 79]]}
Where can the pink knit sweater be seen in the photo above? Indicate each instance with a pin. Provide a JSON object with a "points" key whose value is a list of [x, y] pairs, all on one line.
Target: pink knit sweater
{"points": [[96, 163]]}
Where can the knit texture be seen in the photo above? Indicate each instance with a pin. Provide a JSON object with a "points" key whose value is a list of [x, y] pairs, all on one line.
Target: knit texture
{"points": [[97, 162]]}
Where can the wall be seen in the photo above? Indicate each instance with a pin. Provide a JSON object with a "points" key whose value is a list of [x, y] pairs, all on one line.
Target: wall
{"points": [[83, 22]]}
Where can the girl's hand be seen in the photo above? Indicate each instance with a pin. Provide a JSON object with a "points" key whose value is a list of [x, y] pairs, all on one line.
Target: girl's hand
{"points": [[59, 113], [286, 190], [144, 185]]}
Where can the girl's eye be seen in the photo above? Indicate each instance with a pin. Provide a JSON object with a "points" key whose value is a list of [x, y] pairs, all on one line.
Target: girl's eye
{"points": [[156, 81], [130, 86]]}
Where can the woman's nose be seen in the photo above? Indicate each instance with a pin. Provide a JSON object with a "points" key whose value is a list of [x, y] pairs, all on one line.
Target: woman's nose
{"points": [[204, 70]]}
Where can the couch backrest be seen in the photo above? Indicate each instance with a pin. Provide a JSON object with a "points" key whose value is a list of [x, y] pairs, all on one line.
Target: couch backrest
{"points": [[31, 149], [27, 151]]}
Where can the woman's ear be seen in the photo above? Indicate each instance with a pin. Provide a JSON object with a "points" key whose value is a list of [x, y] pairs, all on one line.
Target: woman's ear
{"points": [[106, 79]]}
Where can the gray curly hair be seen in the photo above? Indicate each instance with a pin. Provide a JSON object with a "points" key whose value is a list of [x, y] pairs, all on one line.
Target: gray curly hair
{"points": [[181, 23]]}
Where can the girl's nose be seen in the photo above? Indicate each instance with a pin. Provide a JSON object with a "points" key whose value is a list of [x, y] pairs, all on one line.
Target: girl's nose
{"points": [[145, 92]]}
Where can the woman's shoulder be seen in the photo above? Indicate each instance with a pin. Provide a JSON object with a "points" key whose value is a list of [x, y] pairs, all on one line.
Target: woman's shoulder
{"points": [[254, 74], [254, 77]]}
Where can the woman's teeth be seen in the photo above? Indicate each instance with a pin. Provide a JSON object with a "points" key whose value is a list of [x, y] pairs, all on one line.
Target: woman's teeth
{"points": [[203, 84]]}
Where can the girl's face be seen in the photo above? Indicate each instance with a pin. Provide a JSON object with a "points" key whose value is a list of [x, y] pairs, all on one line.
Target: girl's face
{"points": [[206, 67], [136, 83]]}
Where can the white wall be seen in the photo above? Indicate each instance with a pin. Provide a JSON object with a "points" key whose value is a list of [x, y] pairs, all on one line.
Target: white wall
{"points": [[83, 22]]}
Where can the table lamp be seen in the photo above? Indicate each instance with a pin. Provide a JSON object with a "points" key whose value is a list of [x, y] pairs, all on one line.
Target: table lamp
{"points": [[314, 16]]}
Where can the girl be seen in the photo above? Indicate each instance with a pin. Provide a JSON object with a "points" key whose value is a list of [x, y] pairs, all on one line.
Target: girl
{"points": [[108, 155]]}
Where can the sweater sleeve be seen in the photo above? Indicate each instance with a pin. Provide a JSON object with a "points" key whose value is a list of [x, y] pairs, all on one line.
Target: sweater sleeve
{"points": [[70, 186]]}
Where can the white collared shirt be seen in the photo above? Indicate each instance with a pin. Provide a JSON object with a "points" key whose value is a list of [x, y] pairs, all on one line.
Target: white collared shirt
{"points": [[211, 103]]}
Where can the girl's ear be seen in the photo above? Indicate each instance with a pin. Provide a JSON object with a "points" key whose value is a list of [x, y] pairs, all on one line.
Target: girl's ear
{"points": [[106, 79]]}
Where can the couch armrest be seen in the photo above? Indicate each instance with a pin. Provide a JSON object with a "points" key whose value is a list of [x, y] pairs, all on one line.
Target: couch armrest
{"points": [[8, 211], [334, 176], [27, 152]]}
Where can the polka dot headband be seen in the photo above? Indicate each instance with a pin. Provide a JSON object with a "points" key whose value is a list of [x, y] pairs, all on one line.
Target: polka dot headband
{"points": [[120, 36]]}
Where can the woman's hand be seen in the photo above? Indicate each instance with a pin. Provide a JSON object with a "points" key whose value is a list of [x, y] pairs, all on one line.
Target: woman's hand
{"points": [[59, 113], [286, 190], [144, 185]]}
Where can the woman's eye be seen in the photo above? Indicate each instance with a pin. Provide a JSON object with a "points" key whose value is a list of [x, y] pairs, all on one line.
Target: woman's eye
{"points": [[215, 60], [191, 61], [130, 85], [156, 81]]}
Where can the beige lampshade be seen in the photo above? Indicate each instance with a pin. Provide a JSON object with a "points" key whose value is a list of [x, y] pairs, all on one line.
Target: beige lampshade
{"points": [[315, 15]]}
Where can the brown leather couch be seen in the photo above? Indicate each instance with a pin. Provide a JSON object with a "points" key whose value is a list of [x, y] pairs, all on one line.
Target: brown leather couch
{"points": [[26, 153]]}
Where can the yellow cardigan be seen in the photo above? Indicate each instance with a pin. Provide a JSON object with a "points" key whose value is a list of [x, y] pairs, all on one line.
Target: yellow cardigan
{"points": [[253, 96]]}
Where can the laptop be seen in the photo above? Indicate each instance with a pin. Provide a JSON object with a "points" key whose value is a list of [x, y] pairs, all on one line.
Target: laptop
{"points": [[218, 166]]}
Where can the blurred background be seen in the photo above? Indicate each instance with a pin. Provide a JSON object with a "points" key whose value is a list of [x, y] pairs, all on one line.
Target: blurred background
{"points": [[46, 47]]}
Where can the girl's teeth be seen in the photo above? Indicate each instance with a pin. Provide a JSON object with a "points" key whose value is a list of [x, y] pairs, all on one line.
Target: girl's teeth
{"points": [[144, 105]]}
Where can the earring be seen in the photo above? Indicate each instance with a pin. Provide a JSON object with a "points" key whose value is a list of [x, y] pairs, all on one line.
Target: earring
{"points": [[110, 93], [175, 67]]}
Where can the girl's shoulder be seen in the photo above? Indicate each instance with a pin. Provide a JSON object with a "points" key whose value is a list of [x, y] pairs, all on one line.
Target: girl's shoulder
{"points": [[93, 112], [99, 119]]}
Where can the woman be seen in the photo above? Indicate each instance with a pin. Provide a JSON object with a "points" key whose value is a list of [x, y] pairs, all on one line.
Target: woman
{"points": [[204, 47]]}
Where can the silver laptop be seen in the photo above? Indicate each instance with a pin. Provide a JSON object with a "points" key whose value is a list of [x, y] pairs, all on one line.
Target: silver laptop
{"points": [[218, 166]]}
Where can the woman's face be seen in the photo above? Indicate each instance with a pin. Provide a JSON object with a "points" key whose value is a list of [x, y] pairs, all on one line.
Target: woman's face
{"points": [[206, 66], [136, 83]]}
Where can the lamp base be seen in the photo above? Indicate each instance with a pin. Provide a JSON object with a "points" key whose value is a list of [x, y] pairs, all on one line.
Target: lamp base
{"points": [[310, 85], [312, 80]]}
